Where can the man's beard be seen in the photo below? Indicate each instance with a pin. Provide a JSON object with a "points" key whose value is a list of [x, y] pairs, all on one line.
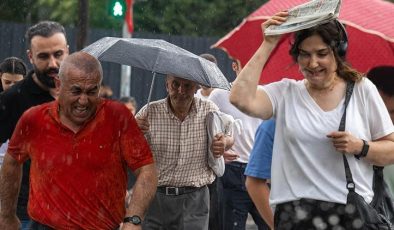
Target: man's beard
{"points": [[45, 78]]}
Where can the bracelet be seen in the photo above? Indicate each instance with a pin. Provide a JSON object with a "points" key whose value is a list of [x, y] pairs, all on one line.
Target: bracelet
{"points": [[364, 150]]}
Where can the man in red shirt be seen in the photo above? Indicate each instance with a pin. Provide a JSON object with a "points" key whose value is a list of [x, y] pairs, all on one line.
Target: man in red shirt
{"points": [[80, 147]]}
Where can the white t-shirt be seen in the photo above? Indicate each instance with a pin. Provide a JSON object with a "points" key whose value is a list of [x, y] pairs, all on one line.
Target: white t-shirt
{"points": [[199, 95], [305, 164], [3, 150], [243, 142]]}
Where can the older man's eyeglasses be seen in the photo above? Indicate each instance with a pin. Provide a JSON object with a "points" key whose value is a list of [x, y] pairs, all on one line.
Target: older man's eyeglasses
{"points": [[186, 86]]}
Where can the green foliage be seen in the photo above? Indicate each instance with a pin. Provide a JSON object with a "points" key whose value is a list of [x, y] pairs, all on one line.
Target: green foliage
{"points": [[65, 12], [179, 17], [192, 17]]}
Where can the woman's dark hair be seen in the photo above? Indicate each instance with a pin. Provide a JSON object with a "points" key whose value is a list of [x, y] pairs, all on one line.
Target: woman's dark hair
{"points": [[332, 35], [12, 65]]}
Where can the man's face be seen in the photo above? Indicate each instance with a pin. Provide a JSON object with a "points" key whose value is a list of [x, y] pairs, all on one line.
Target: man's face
{"points": [[45, 55], [389, 102], [180, 91], [78, 96], [131, 107]]}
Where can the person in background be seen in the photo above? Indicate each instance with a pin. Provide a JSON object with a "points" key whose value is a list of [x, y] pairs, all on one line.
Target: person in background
{"points": [[308, 148], [85, 137], [383, 78], [12, 70], [216, 188], [176, 131], [258, 171], [130, 103], [236, 201], [106, 92], [47, 47], [204, 91]]}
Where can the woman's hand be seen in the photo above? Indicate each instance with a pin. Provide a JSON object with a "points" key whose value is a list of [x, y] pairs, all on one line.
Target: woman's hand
{"points": [[277, 19], [345, 142]]}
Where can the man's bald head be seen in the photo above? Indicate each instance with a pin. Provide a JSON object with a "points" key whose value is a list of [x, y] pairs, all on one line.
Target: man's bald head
{"points": [[81, 61]]}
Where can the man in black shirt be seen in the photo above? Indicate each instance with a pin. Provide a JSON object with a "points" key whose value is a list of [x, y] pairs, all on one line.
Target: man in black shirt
{"points": [[47, 47]]}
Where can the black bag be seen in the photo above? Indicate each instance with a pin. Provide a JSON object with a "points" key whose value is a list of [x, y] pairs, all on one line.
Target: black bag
{"points": [[379, 214]]}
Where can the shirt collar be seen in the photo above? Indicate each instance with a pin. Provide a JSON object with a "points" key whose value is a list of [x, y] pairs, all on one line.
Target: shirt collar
{"points": [[54, 112], [32, 86], [192, 111]]}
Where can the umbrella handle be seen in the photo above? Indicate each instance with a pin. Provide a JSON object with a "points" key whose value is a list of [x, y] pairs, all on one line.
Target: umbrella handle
{"points": [[150, 91]]}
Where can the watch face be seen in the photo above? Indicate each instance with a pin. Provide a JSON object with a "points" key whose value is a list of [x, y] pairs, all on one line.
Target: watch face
{"points": [[136, 220]]}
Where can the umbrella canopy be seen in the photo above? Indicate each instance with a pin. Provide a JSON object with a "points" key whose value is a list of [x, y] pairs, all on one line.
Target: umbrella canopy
{"points": [[158, 56], [369, 24]]}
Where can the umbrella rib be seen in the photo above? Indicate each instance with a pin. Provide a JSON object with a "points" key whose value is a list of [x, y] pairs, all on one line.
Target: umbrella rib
{"points": [[151, 90]]}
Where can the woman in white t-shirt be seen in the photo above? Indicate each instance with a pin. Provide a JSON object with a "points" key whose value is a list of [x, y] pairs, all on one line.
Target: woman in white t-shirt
{"points": [[308, 178]]}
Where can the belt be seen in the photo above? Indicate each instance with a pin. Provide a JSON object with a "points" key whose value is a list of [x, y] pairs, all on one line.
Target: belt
{"points": [[238, 164], [176, 191]]}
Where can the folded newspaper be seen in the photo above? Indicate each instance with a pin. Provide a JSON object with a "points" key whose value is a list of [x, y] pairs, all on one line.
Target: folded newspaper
{"points": [[218, 122], [307, 15]]}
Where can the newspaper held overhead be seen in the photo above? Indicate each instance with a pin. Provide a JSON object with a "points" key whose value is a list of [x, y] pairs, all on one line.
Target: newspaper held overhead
{"points": [[307, 15]]}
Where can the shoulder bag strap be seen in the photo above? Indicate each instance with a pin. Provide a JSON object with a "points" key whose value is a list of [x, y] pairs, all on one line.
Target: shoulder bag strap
{"points": [[349, 178]]}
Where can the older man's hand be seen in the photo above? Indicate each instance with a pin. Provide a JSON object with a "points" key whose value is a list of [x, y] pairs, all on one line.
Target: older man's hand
{"points": [[218, 145]]}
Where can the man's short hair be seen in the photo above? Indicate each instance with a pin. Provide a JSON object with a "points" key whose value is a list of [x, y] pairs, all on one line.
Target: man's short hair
{"points": [[383, 78], [45, 29], [129, 100]]}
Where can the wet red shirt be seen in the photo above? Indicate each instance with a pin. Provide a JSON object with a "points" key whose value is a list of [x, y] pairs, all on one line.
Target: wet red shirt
{"points": [[78, 180]]}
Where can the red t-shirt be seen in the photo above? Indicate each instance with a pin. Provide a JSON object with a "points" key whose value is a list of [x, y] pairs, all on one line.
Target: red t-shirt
{"points": [[78, 180]]}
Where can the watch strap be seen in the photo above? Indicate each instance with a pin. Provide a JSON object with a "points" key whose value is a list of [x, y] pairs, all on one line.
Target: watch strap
{"points": [[364, 150]]}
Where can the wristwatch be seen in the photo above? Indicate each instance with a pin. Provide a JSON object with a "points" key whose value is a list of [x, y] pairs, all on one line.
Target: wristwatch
{"points": [[364, 150], [136, 220]]}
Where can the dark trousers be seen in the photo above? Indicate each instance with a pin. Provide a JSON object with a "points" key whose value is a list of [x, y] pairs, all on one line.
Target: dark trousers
{"points": [[237, 202], [308, 214], [34, 225], [187, 211], [215, 205]]}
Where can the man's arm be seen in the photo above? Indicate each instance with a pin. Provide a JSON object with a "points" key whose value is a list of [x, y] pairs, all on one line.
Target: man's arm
{"points": [[144, 191], [259, 192], [10, 181]]}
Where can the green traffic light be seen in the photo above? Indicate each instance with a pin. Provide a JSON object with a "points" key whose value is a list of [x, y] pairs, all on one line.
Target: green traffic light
{"points": [[117, 8]]}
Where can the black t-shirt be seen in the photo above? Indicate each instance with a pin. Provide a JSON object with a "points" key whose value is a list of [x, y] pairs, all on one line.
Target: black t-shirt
{"points": [[13, 103]]}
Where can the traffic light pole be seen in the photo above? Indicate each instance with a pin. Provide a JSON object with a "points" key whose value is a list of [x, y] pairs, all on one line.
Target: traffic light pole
{"points": [[126, 70]]}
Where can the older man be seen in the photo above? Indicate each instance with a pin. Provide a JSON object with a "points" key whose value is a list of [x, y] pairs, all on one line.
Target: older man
{"points": [[79, 146], [176, 130]]}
